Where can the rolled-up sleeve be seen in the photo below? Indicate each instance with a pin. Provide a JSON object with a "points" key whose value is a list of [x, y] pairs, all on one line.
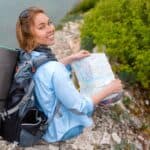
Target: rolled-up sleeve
{"points": [[66, 92]]}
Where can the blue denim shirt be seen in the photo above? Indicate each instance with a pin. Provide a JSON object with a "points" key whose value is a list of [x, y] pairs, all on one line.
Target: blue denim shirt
{"points": [[53, 85]]}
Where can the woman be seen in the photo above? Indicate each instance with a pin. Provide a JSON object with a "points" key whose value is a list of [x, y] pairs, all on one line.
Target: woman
{"points": [[53, 87]]}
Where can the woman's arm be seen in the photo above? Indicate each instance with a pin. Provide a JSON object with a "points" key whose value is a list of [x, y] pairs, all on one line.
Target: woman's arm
{"points": [[69, 96], [79, 55], [113, 87]]}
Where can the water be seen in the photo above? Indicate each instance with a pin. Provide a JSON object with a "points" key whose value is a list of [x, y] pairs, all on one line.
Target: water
{"points": [[10, 10]]}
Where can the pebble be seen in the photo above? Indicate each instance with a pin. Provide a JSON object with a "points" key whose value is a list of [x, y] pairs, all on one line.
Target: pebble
{"points": [[105, 138], [147, 102], [116, 138]]}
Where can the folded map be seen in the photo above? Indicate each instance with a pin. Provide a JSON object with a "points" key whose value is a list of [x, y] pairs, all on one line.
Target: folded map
{"points": [[93, 73]]}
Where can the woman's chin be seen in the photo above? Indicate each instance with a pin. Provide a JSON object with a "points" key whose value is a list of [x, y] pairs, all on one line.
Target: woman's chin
{"points": [[51, 43]]}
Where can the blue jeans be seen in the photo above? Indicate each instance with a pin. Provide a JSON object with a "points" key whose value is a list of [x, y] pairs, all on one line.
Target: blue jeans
{"points": [[72, 133]]}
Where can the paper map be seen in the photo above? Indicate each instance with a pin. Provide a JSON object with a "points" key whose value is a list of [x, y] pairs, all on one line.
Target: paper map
{"points": [[93, 73]]}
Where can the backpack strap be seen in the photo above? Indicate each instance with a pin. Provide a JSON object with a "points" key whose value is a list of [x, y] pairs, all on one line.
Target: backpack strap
{"points": [[40, 61], [23, 100], [36, 63]]}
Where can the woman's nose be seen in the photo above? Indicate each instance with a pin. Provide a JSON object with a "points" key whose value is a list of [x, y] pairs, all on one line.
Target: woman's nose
{"points": [[51, 28]]}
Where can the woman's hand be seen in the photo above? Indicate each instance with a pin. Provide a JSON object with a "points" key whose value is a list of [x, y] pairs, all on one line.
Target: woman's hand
{"points": [[113, 87], [79, 55]]}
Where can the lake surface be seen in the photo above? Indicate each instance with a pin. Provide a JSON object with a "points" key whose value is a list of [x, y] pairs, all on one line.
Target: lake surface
{"points": [[10, 10]]}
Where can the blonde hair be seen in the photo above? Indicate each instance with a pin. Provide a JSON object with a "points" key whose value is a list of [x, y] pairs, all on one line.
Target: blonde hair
{"points": [[24, 32]]}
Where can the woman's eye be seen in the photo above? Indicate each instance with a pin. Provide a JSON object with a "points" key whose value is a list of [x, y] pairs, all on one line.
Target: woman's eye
{"points": [[50, 22], [41, 27]]}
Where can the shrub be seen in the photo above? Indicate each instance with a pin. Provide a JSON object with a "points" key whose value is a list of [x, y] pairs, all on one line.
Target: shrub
{"points": [[123, 26], [84, 6], [76, 13], [87, 43]]}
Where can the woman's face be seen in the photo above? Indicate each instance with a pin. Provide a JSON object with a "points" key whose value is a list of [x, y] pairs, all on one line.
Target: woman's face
{"points": [[43, 30]]}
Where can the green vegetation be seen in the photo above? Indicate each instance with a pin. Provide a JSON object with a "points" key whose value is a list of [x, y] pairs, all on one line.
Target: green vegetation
{"points": [[123, 27], [118, 114], [84, 6], [76, 12], [67, 18], [127, 101]]}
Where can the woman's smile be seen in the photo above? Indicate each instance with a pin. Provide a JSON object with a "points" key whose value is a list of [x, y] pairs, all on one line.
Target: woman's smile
{"points": [[43, 30]]}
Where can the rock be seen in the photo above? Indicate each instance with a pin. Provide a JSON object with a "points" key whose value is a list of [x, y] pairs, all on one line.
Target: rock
{"points": [[138, 145], [105, 138], [4, 145], [52, 147], [67, 41], [128, 94], [136, 122], [147, 102], [44, 147], [33, 148], [116, 138], [140, 138]]}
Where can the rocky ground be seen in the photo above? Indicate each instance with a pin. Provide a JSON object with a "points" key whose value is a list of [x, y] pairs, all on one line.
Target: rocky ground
{"points": [[114, 128]]}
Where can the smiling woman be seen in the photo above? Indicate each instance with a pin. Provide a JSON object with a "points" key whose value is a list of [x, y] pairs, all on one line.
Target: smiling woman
{"points": [[34, 28], [43, 30], [53, 86]]}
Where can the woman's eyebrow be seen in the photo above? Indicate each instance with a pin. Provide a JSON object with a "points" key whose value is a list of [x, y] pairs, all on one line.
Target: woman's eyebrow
{"points": [[42, 23]]}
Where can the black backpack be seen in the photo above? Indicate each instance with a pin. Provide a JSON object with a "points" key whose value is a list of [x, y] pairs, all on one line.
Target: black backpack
{"points": [[20, 119]]}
